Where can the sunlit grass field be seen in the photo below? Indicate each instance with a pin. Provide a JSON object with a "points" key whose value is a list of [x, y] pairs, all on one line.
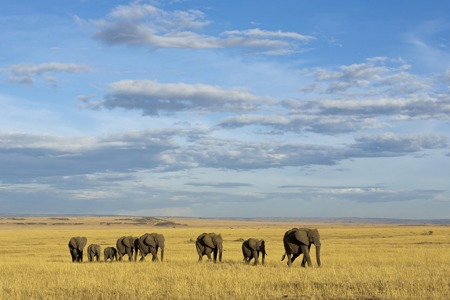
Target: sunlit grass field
{"points": [[358, 262]]}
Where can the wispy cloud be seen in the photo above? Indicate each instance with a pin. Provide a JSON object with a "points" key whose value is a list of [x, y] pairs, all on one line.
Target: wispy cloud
{"points": [[146, 25], [29, 73]]}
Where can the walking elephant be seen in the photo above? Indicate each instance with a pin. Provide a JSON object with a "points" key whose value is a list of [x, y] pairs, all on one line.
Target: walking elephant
{"points": [[251, 249], [297, 241], [110, 253], [76, 246], [150, 243], [127, 245], [208, 243], [93, 251]]}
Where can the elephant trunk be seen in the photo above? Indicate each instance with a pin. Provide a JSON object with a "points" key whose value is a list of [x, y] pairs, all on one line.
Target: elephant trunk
{"points": [[220, 253], [318, 254], [162, 254]]}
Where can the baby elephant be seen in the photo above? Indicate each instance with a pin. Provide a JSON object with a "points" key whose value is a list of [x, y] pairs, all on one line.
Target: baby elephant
{"points": [[251, 249], [110, 253], [94, 251]]}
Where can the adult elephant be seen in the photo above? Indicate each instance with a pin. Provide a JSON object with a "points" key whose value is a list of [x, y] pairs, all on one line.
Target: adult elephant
{"points": [[150, 243], [93, 251], [76, 246], [127, 245], [110, 253], [251, 249], [297, 241], [208, 243]]}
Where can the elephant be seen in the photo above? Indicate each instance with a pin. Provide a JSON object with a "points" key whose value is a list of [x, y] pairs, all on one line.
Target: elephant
{"points": [[110, 253], [93, 251], [251, 249], [149, 243], [76, 246], [208, 243], [127, 245], [297, 241]]}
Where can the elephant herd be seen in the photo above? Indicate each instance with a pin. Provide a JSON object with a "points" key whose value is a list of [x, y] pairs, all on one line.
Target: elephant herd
{"points": [[125, 245], [296, 241]]}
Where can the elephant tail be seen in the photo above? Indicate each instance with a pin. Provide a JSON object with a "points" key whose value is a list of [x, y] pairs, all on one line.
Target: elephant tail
{"points": [[283, 257]]}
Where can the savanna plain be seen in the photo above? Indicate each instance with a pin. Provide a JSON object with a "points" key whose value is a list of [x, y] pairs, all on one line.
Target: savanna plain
{"points": [[358, 261]]}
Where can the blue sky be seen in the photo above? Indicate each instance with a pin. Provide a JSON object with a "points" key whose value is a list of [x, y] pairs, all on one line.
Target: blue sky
{"points": [[225, 108]]}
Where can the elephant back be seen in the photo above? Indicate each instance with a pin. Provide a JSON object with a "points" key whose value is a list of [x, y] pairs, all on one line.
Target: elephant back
{"points": [[110, 251], [94, 248]]}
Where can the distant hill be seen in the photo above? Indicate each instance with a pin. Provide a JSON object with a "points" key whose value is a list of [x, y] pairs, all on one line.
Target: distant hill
{"points": [[162, 220], [349, 220]]}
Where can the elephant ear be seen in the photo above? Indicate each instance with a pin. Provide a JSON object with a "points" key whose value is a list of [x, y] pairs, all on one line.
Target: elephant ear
{"points": [[82, 241], [126, 241], [150, 240], [207, 239], [142, 239], [73, 242], [253, 244], [302, 236]]}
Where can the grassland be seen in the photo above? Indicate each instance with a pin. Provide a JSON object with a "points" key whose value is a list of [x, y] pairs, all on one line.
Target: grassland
{"points": [[358, 262]]}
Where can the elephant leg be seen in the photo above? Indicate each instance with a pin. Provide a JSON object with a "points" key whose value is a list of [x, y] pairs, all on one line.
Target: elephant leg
{"points": [[142, 253], [200, 253], [255, 256], [306, 256], [304, 261], [130, 255], [294, 257], [289, 259], [73, 254], [154, 254], [215, 254]]}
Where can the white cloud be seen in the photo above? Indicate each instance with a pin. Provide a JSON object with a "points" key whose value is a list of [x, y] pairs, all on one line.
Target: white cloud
{"points": [[270, 34], [375, 76], [144, 24], [24, 73], [153, 97], [378, 94]]}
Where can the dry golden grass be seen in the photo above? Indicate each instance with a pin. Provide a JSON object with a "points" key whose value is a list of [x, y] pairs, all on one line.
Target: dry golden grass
{"points": [[358, 262]]}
